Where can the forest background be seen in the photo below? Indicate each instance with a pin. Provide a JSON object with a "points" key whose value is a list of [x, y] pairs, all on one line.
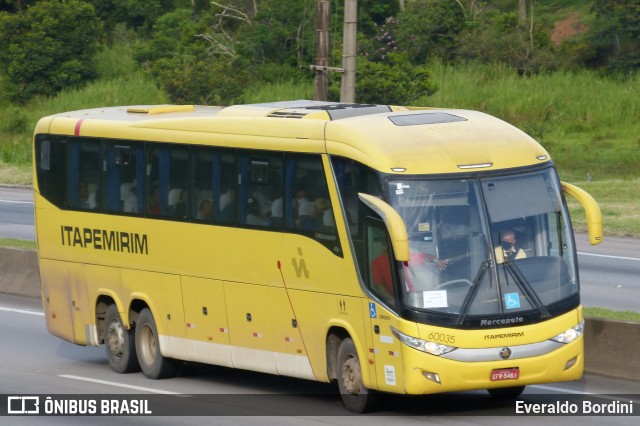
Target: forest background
{"points": [[565, 71]]}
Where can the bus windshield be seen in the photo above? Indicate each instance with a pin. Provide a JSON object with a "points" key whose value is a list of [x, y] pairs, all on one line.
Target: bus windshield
{"points": [[485, 246]]}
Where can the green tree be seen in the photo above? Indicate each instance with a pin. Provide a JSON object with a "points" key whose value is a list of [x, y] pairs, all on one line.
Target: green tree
{"points": [[282, 31], [393, 81], [429, 28], [372, 14], [499, 38], [187, 62], [48, 47], [616, 34], [15, 5]]}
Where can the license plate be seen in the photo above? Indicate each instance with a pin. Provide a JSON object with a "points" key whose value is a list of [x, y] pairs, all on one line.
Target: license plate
{"points": [[505, 374]]}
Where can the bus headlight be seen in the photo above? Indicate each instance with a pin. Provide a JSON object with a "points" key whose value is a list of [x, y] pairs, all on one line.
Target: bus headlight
{"points": [[427, 346], [570, 335]]}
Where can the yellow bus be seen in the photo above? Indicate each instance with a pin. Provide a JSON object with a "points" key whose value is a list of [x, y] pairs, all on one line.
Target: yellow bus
{"points": [[389, 249]]}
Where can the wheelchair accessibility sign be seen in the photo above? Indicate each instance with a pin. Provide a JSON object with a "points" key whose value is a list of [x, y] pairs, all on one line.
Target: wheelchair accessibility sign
{"points": [[511, 300], [372, 310]]}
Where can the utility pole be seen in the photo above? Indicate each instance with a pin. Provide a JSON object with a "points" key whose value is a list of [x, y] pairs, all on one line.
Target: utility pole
{"points": [[321, 92], [348, 87]]}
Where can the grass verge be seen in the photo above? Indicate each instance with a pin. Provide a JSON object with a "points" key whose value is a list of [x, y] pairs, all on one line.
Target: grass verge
{"points": [[619, 204], [611, 314], [21, 244]]}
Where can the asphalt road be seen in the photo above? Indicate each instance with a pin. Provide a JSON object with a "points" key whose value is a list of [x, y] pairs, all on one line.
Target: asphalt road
{"points": [[16, 213], [33, 362]]}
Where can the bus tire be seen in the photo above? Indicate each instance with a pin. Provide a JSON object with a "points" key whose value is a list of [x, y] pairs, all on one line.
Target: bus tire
{"points": [[152, 363], [512, 392], [355, 396], [119, 343]]}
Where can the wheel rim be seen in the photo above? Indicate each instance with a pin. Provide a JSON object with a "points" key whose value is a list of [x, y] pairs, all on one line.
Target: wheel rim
{"points": [[147, 345], [115, 339], [351, 376]]}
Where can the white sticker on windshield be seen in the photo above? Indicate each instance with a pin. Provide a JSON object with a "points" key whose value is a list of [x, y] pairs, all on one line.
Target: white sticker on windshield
{"points": [[424, 227], [435, 299]]}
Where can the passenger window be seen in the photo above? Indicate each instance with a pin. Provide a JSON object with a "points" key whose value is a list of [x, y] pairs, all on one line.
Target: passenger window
{"points": [[167, 174], [352, 178], [84, 174], [380, 276], [260, 189], [213, 185], [124, 177], [51, 157], [307, 206]]}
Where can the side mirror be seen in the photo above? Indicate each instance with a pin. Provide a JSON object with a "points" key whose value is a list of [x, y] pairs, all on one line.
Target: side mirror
{"points": [[394, 223], [591, 209]]}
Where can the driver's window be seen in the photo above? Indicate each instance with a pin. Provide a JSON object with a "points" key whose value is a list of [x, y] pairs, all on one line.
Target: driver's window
{"points": [[381, 276]]}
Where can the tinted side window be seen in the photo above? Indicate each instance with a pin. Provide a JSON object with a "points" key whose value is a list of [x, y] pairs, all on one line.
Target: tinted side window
{"points": [[213, 189], [352, 178], [124, 177], [380, 275], [167, 181], [307, 204], [84, 174], [260, 189], [51, 168]]}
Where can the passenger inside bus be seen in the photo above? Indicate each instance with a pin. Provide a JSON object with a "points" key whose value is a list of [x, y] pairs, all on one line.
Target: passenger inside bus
{"points": [[205, 211], [227, 205], [154, 201], [277, 212], [128, 197], [180, 207], [303, 209], [87, 198], [254, 214], [320, 206]]}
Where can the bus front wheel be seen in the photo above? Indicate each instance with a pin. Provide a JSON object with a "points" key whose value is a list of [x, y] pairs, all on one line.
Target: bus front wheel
{"points": [[119, 343], [355, 396], [152, 363]]}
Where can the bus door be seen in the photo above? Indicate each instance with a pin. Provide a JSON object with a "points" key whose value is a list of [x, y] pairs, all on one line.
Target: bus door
{"points": [[381, 279]]}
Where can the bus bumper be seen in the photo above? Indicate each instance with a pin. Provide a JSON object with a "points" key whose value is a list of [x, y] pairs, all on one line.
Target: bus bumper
{"points": [[425, 373]]}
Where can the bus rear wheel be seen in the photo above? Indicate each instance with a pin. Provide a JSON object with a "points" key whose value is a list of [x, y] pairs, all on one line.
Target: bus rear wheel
{"points": [[152, 363], [119, 343], [355, 396]]}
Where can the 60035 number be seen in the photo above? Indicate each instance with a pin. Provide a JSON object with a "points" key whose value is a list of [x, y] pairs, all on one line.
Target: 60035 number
{"points": [[442, 338]]}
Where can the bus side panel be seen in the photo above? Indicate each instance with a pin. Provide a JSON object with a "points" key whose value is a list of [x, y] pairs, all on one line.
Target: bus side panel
{"points": [[57, 298], [387, 350], [249, 310], [205, 315], [79, 275], [162, 293], [316, 314], [291, 355]]}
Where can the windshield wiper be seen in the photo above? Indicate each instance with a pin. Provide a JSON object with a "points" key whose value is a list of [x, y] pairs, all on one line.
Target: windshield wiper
{"points": [[525, 286], [466, 305]]}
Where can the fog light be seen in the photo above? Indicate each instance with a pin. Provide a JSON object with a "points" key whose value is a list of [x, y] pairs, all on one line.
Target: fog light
{"points": [[571, 363], [434, 377]]}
